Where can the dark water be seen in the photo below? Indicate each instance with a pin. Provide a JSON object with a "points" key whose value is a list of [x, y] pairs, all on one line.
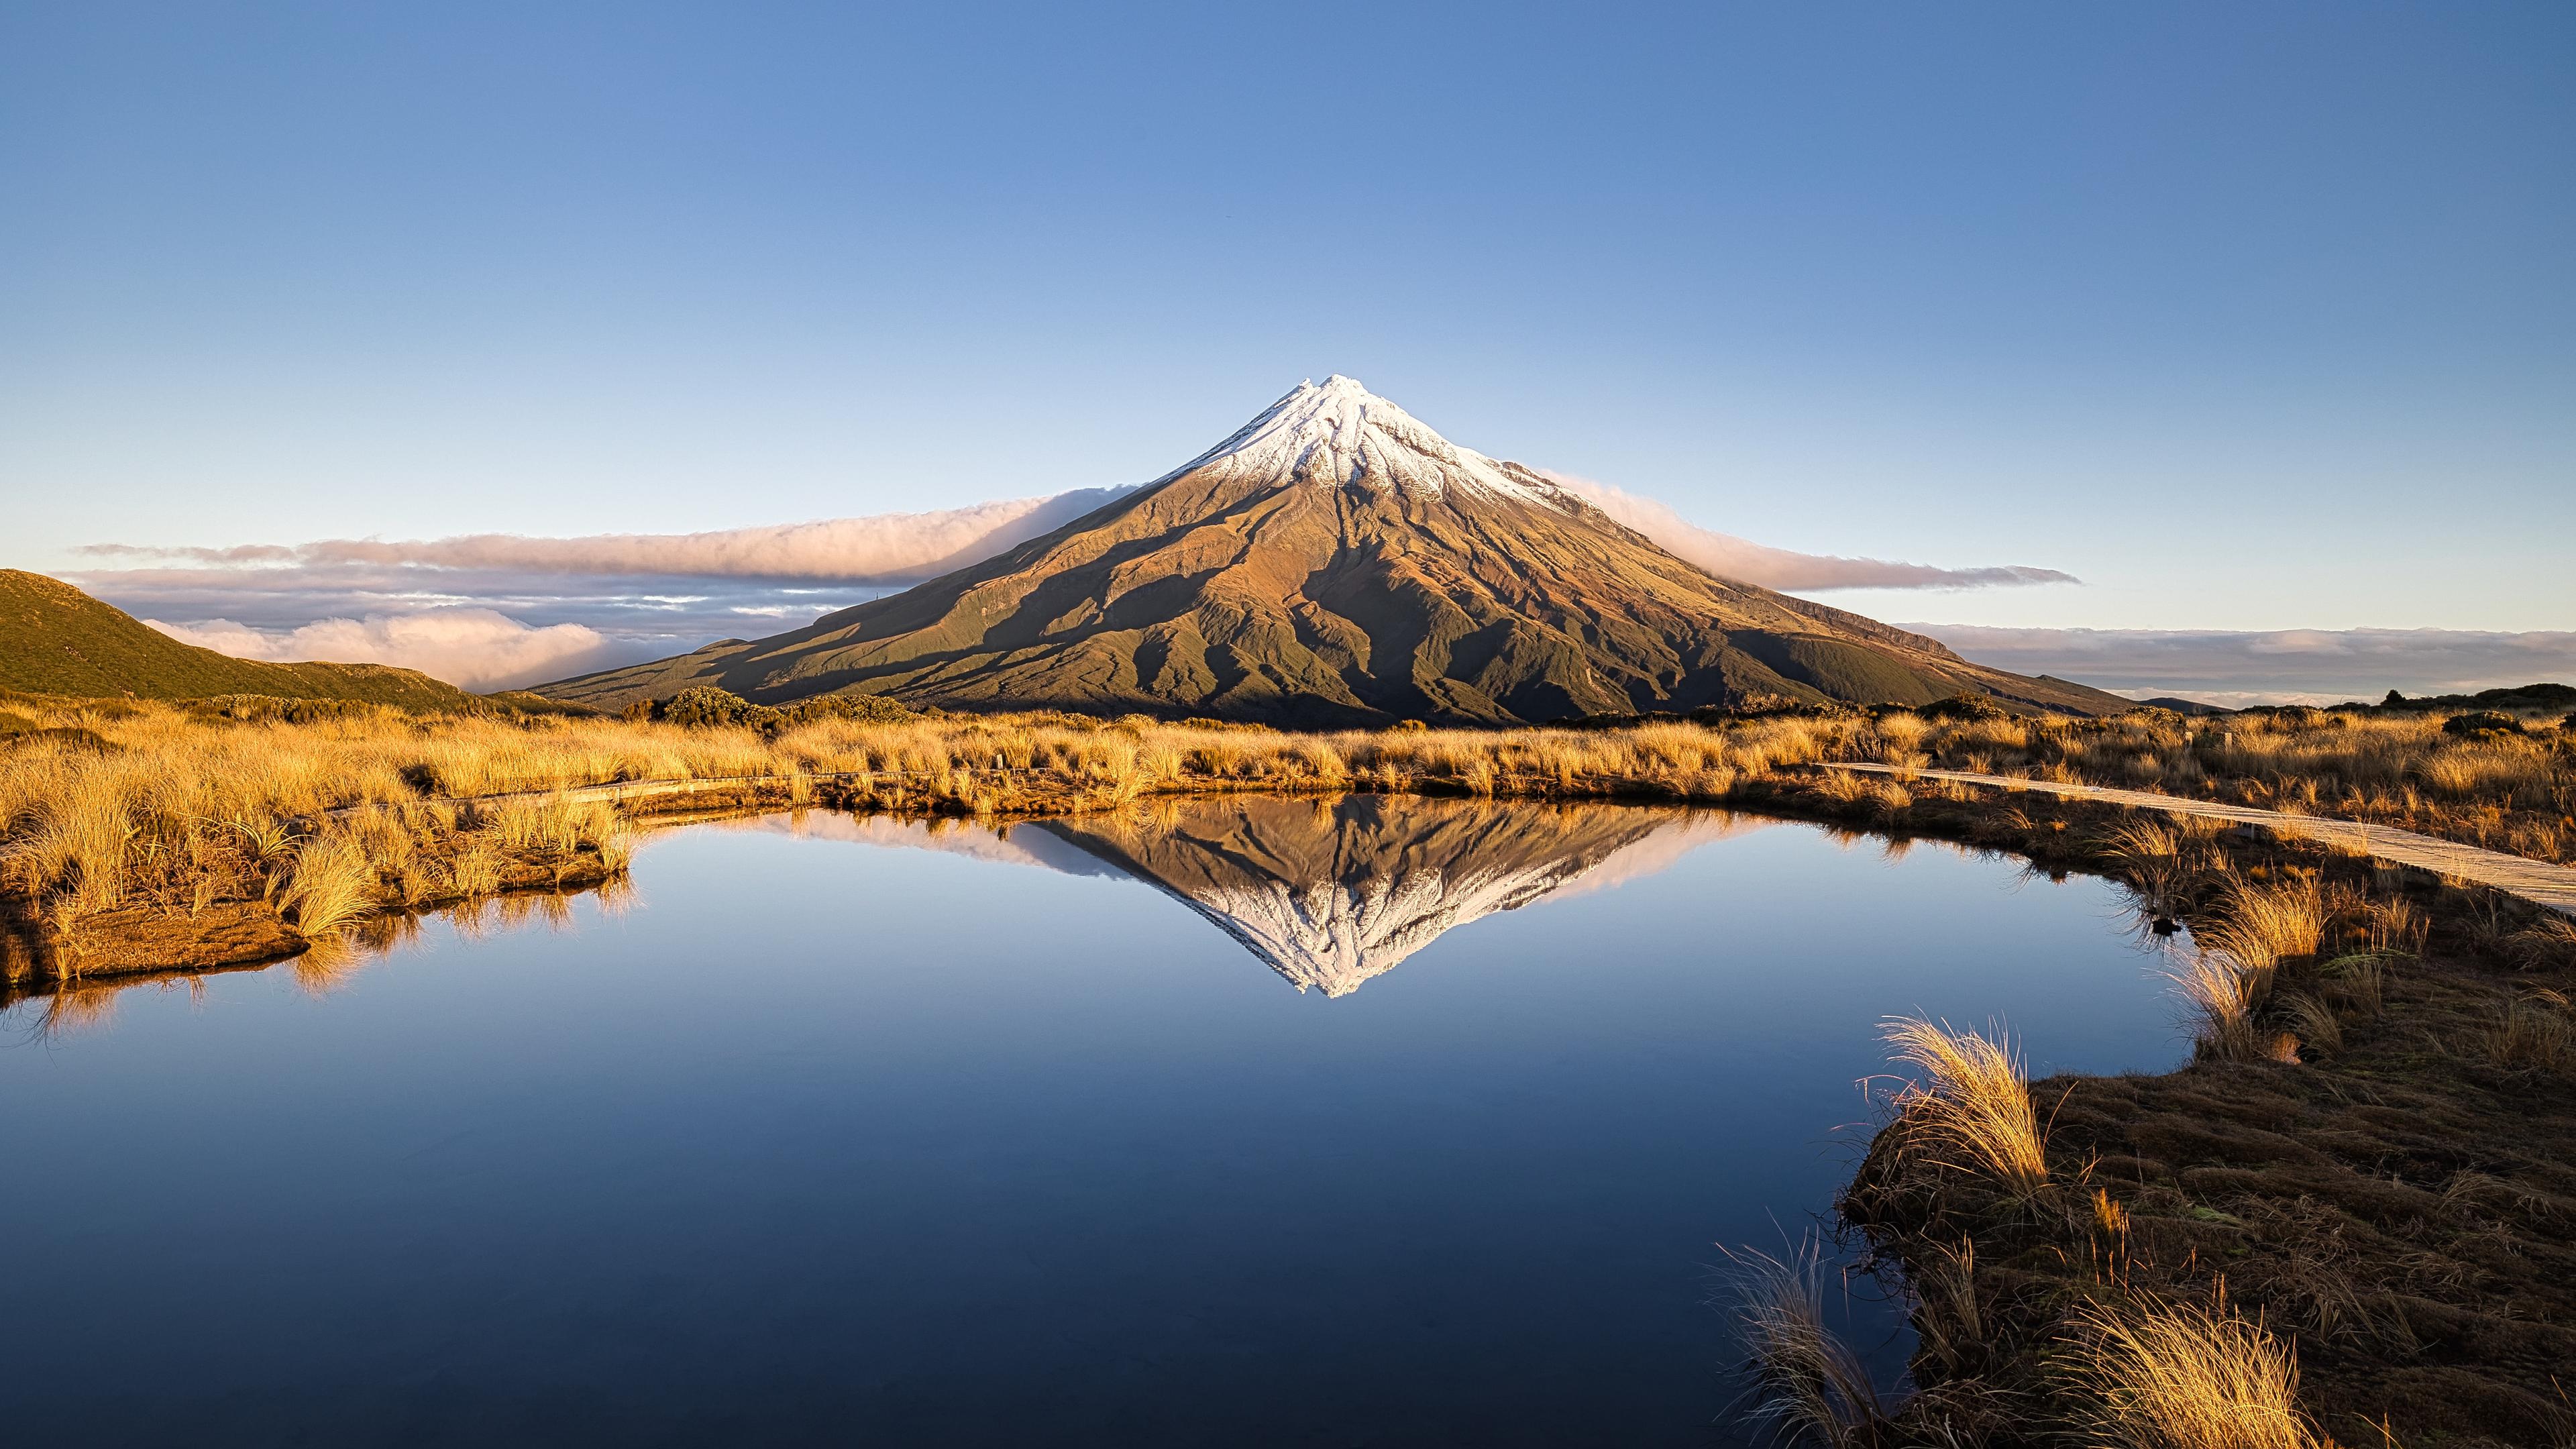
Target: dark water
{"points": [[875, 1134]]}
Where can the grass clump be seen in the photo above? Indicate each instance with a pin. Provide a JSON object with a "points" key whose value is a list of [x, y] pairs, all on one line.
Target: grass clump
{"points": [[1808, 1385], [2225, 998], [2181, 1377], [2262, 926], [1972, 1105]]}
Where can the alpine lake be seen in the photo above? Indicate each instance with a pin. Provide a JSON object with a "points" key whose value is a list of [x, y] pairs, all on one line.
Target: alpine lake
{"points": [[1237, 1120]]}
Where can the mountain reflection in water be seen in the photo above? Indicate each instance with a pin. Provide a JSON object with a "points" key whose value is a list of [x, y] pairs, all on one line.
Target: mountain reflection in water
{"points": [[1330, 892]]}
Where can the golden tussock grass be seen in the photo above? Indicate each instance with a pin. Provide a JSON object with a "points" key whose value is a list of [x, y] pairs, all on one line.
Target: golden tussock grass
{"points": [[2533, 1029], [2225, 998], [2180, 1377], [1972, 1107], [116, 804], [1808, 1385], [2514, 793], [2263, 925]]}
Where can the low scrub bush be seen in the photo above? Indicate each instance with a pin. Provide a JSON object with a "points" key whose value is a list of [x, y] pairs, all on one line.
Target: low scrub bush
{"points": [[2481, 725]]}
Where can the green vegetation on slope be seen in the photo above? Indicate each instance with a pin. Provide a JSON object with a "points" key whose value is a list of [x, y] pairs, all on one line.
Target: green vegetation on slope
{"points": [[54, 639]]}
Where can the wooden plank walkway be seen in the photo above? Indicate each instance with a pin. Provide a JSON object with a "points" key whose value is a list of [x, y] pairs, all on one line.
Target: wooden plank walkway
{"points": [[2536, 881]]}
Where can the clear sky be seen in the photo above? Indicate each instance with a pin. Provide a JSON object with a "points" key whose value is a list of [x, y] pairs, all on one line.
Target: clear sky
{"points": [[2253, 316]]}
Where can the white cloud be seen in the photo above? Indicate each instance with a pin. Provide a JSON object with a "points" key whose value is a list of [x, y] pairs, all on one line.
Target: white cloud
{"points": [[900, 548], [452, 607], [477, 649], [880, 548], [2280, 666], [1780, 568]]}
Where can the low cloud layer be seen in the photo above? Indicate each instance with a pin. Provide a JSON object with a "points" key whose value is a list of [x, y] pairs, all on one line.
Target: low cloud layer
{"points": [[1779, 568], [460, 608], [457, 608], [476, 649], [2286, 666], [885, 548]]}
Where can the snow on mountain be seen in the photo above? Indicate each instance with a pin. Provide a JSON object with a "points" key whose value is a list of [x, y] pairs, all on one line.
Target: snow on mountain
{"points": [[1337, 432]]}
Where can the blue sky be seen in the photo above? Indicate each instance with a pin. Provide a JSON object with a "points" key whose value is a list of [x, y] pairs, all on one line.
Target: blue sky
{"points": [[2254, 317]]}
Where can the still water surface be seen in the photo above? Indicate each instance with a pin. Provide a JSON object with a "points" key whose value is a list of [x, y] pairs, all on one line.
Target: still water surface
{"points": [[1251, 1121]]}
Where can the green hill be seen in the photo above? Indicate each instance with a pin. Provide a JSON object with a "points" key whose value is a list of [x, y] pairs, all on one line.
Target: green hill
{"points": [[54, 639]]}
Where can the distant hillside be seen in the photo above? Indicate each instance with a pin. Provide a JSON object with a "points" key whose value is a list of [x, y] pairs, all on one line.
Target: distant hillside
{"points": [[2550, 697], [54, 639], [1338, 563]]}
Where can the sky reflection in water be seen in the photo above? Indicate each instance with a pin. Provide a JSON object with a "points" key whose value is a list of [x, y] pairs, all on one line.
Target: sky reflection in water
{"points": [[849, 1130]]}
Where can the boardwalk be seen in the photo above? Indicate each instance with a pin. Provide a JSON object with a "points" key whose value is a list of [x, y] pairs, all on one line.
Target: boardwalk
{"points": [[2536, 881]]}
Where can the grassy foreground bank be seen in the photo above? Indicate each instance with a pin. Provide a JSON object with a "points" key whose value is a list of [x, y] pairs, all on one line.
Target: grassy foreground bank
{"points": [[2351, 1218], [136, 835]]}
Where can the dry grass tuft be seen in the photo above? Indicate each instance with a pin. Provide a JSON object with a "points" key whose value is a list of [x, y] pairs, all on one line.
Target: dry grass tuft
{"points": [[2357, 981], [2181, 1378], [332, 885], [2546, 942], [1808, 1384], [1973, 1101], [2264, 925], [2534, 1030], [2314, 1021], [1949, 1318], [2224, 995]]}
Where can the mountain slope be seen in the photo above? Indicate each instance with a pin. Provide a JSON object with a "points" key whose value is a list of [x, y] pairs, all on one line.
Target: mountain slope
{"points": [[1336, 562], [54, 639]]}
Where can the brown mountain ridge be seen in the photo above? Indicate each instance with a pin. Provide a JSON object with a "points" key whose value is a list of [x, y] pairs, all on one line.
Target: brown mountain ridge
{"points": [[1337, 563]]}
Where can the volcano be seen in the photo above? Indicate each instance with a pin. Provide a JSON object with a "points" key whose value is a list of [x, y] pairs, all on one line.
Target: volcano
{"points": [[1338, 563]]}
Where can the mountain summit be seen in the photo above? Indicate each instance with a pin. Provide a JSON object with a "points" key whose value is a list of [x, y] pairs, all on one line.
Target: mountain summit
{"points": [[1337, 562], [1337, 431]]}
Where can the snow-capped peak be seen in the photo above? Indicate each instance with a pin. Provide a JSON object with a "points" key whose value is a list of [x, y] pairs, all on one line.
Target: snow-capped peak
{"points": [[1337, 431]]}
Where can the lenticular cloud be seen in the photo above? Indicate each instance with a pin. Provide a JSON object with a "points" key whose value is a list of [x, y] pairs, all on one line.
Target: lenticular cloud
{"points": [[906, 548], [1778, 568], [885, 548]]}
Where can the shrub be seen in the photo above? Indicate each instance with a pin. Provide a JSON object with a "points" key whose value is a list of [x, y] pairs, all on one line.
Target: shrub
{"points": [[2482, 725], [263, 707], [1963, 706], [858, 708], [703, 706]]}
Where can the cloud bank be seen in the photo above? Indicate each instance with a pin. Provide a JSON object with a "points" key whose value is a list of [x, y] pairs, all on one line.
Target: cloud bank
{"points": [[2283, 666], [885, 548], [454, 607], [476, 649], [1779, 568]]}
